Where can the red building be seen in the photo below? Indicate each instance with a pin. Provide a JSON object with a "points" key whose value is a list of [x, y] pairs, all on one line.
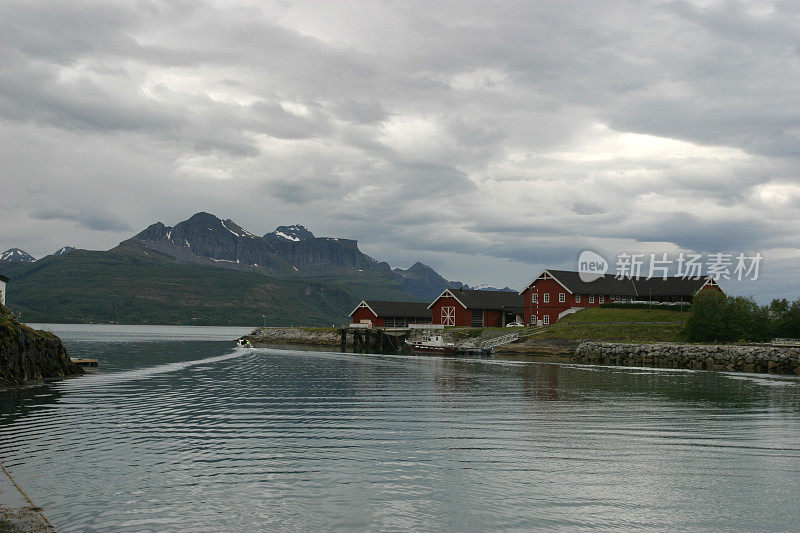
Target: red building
{"points": [[555, 293], [391, 314], [472, 308]]}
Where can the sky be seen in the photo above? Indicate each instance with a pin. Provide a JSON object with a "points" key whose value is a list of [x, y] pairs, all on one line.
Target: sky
{"points": [[488, 140]]}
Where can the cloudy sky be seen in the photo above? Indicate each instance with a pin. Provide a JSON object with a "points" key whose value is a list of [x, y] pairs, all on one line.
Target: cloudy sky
{"points": [[486, 139]]}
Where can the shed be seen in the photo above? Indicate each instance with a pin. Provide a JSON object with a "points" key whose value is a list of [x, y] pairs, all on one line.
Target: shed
{"points": [[382, 313]]}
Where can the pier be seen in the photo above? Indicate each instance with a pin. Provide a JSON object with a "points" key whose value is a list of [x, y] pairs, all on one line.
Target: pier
{"points": [[381, 339]]}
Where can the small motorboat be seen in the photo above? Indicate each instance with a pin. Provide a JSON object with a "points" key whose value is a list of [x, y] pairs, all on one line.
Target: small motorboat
{"points": [[432, 344], [244, 343]]}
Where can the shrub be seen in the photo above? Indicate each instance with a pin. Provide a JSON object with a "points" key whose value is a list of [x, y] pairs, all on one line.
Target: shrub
{"points": [[719, 318]]}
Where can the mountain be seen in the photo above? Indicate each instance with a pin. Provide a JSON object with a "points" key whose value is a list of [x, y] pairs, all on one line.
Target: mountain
{"points": [[423, 282], [294, 233], [64, 250], [206, 239], [124, 285], [205, 270], [15, 255]]}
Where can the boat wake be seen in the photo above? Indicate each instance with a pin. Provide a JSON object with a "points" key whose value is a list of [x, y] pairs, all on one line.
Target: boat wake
{"points": [[92, 380]]}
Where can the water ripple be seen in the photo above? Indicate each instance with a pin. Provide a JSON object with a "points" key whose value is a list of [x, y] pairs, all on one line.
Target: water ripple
{"points": [[194, 436]]}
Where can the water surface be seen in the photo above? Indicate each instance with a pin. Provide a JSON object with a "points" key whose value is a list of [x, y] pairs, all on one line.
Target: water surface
{"points": [[180, 430]]}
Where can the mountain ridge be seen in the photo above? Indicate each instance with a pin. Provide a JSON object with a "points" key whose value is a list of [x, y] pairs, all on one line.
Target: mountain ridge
{"points": [[205, 270]]}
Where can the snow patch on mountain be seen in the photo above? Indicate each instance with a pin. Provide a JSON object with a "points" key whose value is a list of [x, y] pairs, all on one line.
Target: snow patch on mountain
{"points": [[289, 237], [64, 250], [15, 255]]}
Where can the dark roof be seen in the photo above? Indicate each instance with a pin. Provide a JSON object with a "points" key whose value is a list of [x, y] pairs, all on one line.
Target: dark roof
{"points": [[398, 309], [475, 299], [669, 286], [610, 285], [3, 278]]}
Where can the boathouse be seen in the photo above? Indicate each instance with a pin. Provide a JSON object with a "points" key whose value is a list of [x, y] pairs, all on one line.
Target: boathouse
{"points": [[473, 308], [379, 313], [554, 294], [3, 282]]}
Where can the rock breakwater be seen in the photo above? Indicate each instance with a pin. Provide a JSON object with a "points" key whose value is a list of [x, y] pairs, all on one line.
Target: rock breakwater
{"points": [[731, 358], [313, 336]]}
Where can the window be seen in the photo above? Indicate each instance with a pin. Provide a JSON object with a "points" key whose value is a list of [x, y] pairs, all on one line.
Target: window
{"points": [[546, 320], [477, 318], [547, 297], [449, 316], [562, 297], [533, 320], [591, 298], [577, 298], [600, 298], [535, 298]]}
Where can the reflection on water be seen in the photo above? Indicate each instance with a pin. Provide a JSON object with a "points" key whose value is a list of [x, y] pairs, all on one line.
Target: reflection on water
{"points": [[193, 434]]}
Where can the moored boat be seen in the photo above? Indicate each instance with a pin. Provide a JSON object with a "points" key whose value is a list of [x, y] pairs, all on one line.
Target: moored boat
{"points": [[433, 344]]}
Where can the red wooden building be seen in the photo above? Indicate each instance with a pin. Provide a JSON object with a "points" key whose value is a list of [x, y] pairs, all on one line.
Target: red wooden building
{"points": [[391, 314], [555, 293], [472, 308]]}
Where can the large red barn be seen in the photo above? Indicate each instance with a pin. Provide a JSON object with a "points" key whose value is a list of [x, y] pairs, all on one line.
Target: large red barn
{"points": [[473, 308], [555, 293]]}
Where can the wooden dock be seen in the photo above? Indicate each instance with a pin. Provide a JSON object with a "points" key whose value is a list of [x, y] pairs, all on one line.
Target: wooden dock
{"points": [[84, 362]]}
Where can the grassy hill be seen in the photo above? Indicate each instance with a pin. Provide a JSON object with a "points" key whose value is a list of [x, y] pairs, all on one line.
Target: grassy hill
{"points": [[619, 325], [131, 288]]}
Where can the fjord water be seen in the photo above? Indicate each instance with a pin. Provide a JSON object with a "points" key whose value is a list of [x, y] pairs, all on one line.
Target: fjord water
{"points": [[180, 430]]}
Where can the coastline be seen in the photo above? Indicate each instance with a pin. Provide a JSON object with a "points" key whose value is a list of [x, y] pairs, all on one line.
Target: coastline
{"points": [[18, 513], [724, 358]]}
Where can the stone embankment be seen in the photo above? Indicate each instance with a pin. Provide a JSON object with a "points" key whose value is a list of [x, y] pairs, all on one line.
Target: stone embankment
{"points": [[312, 336], [27, 354], [777, 360]]}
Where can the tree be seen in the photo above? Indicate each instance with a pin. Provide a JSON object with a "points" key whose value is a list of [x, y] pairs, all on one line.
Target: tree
{"points": [[706, 321]]}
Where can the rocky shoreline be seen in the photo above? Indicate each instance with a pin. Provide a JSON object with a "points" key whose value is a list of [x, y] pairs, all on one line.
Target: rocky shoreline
{"points": [[27, 354], [295, 335], [727, 358]]}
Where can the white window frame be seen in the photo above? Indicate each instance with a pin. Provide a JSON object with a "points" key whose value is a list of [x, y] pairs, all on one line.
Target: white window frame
{"points": [[562, 297], [449, 317], [600, 299], [547, 297], [535, 298], [577, 298], [533, 320], [546, 320], [591, 298]]}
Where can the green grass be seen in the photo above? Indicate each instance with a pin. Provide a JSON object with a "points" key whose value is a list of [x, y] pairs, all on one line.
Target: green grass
{"points": [[572, 328], [624, 315]]}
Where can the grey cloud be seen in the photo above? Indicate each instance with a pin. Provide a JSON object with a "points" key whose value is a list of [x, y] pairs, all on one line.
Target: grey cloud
{"points": [[96, 221], [277, 112]]}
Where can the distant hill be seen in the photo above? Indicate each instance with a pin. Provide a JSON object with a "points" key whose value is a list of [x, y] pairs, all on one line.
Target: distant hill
{"points": [[205, 270], [424, 282]]}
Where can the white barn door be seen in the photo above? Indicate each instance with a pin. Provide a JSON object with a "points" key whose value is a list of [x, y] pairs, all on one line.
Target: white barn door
{"points": [[448, 316]]}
